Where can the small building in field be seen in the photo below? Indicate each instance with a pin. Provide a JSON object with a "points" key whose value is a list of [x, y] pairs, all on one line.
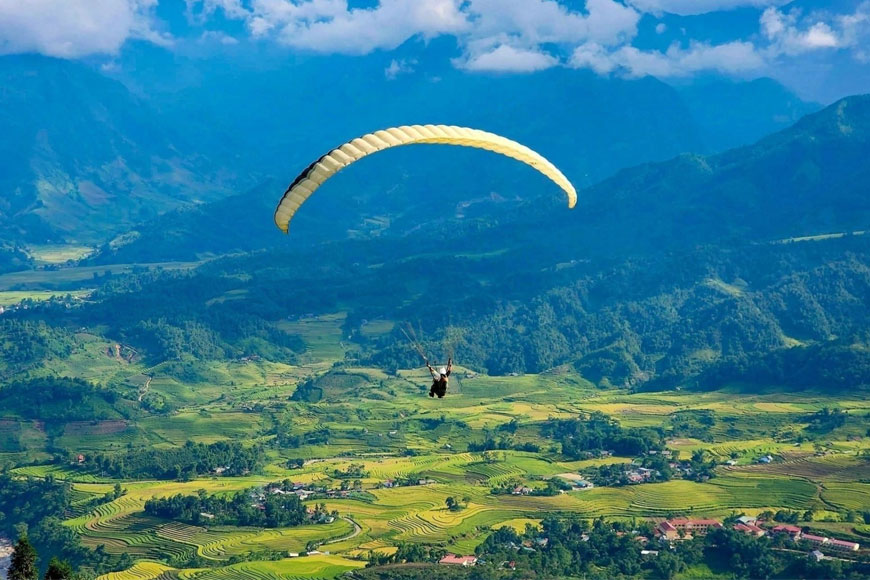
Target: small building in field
{"points": [[843, 546], [814, 540], [695, 527], [750, 529], [455, 560], [793, 531], [816, 555], [668, 531]]}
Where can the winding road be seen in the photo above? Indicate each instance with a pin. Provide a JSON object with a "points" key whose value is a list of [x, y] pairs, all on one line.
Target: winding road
{"points": [[356, 531]]}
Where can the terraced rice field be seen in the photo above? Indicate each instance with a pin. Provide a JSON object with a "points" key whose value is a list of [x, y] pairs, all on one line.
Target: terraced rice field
{"points": [[767, 492], [419, 513], [314, 567], [142, 570], [57, 472], [847, 496], [826, 468]]}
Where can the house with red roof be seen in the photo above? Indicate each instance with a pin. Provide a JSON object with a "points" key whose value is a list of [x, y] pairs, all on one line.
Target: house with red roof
{"points": [[793, 531], [458, 560], [814, 540], [668, 531], [750, 529], [843, 546], [695, 527]]}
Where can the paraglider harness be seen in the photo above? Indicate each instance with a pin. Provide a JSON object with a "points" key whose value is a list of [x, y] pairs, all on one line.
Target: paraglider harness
{"points": [[440, 377]]}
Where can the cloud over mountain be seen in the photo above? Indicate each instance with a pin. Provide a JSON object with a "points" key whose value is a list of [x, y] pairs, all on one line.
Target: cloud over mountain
{"points": [[610, 37], [75, 28]]}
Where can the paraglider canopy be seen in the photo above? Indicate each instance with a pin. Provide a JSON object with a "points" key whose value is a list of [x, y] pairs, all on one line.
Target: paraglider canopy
{"points": [[328, 165]]}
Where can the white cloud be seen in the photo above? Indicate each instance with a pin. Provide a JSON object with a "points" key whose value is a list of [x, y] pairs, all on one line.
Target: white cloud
{"points": [[493, 35], [691, 7], [791, 34], [729, 58], [217, 36], [199, 11], [506, 58], [330, 26], [533, 22], [74, 28], [399, 67], [482, 27]]}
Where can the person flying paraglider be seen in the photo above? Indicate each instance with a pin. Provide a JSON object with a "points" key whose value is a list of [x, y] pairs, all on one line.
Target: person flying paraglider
{"points": [[439, 379]]}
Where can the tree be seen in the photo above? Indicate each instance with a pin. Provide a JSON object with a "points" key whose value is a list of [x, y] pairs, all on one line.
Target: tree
{"points": [[451, 503], [58, 570], [23, 565]]}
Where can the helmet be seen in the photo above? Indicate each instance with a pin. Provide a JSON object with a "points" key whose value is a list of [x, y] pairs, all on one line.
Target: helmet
{"points": [[442, 371]]}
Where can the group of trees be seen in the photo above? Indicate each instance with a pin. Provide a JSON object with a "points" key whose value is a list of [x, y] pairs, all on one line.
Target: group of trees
{"points": [[352, 471], [826, 420], [58, 400], [598, 432], [183, 463], [36, 508], [250, 507], [26, 343], [23, 565], [570, 547], [286, 439]]}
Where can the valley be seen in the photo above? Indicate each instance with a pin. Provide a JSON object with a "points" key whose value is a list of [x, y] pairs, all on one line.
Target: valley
{"points": [[411, 454]]}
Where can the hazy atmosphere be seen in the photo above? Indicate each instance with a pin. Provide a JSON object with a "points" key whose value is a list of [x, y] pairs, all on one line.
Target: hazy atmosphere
{"points": [[569, 289]]}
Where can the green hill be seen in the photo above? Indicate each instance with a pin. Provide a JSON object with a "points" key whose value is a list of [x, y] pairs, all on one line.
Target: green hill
{"points": [[83, 157]]}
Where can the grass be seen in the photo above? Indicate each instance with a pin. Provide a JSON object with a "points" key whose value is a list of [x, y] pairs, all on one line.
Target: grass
{"points": [[11, 297], [323, 336], [66, 277], [58, 253]]}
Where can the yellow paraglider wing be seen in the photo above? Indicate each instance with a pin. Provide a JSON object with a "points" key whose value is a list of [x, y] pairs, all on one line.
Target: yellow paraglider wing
{"points": [[337, 159]]}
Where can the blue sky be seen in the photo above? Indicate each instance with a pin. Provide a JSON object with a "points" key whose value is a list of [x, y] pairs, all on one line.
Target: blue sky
{"points": [[820, 49]]}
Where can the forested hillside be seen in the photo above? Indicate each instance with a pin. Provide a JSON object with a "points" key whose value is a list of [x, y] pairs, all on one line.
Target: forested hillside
{"points": [[691, 271]]}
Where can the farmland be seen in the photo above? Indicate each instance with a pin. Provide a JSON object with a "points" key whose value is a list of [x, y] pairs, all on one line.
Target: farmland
{"points": [[384, 423]]}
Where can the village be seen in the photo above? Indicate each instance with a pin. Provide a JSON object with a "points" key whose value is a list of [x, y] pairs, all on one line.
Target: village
{"points": [[669, 532]]}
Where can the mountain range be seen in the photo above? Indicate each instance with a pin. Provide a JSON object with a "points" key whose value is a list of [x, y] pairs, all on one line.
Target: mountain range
{"points": [[742, 266], [89, 158]]}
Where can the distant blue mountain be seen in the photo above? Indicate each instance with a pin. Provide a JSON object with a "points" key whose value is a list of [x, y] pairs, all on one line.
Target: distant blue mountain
{"points": [[83, 158], [88, 157]]}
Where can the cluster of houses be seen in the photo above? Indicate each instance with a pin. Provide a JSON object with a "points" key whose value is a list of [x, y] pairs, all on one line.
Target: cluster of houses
{"points": [[685, 528], [303, 492], [640, 475], [390, 483], [819, 542]]}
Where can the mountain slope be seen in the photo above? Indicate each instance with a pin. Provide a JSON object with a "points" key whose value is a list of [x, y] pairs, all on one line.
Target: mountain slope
{"points": [[666, 274], [586, 125], [83, 157]]}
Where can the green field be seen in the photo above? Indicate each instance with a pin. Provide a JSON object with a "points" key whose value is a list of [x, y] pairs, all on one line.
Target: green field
{"points": [[374, 418], [9, 297], [58, 253], [74, 276]]}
